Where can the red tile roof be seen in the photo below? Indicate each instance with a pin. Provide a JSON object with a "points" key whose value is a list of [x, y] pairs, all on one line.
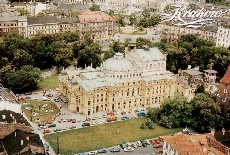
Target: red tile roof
{"points": [[226, 78], [191, 144], [94, 16]]}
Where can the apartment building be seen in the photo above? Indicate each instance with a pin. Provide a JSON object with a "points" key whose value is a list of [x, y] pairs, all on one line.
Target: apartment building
{"points": [[68, 24], [138, 79], [173, 33], [46, 25], [101, 25], [9, 24], [223, 35]]}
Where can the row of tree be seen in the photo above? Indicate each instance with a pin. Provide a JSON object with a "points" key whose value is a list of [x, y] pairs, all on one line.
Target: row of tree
{"points": [[146, 19], [20, 54], [202, 113]]}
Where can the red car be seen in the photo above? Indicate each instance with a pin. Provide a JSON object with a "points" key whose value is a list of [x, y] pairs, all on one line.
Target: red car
{"points": [[49, 122], [157, 145], [123, 112], [110, 113], [159, 152], [73, 120]]}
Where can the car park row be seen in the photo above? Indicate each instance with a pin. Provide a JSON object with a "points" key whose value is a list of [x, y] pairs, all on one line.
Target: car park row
{"points": [[131, 146]]}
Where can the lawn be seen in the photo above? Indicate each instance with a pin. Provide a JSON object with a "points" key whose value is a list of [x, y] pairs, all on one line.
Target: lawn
{"points": [[48, 83], [45, 116], [96, 137]]}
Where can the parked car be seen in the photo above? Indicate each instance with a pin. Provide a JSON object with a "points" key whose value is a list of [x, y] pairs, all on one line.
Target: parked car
{"points": [[72, 127], [81, 154], [134, 145], [110, 114], [46, 131], [128, 149], [60, 120], [46, 146], [92, 152], [159, 152], [85, 124], [64, 120], [115, 149], [56, 100], [51, 125], [58, 129], [123, 112], [124, 118], [101, 121], [102, 151], [123, 146], [144, 143], [28, 97], [157, 145], [141, 114], [139, 144], [136, 111], [105, 116], [73, 120]]}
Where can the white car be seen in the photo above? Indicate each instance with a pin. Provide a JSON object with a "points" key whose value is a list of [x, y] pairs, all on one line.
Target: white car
{"points": [[139, 144], [128, 149], [134, 145], [92, 152], [128, 144], [35, 98], [65, 120], [105, 116], [101, 121]]}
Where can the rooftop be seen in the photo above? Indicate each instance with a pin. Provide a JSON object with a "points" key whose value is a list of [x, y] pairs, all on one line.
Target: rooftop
{"points": [[226, 78], [192, 71], [42, 20], [191, 144], [6, 95], [94, 16]]}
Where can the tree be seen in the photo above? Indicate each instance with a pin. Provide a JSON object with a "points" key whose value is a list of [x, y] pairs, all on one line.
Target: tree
{"points": [[133, 19], [95, 7], [40, 14], [23, 11], [200, 89], [108, 54], [86, 57], [205, 114], [21, 58], [74, 13], [120, 19], [64, 57], [4, 73], [140, 42], [24, 79], [111, 12], [116, 46], [71, 36]]}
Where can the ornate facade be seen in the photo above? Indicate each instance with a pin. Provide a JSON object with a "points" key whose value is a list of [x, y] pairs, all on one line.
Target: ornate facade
{"points": [[138, 79]]}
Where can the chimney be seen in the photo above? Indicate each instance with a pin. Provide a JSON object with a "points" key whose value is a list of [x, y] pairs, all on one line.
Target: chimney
{"points": [[22, 142], [15, 134], [189, 67], [213, 132], [3, 116], [28, 138], [223, 131]]}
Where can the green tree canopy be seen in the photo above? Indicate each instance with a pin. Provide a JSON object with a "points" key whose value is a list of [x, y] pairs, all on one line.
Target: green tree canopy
{"points": [[95, 7]]}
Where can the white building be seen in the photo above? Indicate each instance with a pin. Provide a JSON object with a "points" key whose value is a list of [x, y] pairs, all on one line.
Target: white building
{"points": [[223, 35]]}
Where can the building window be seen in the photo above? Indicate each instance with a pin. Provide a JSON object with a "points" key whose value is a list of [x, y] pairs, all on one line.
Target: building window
{"points": [[88, 102], [225, 91]]}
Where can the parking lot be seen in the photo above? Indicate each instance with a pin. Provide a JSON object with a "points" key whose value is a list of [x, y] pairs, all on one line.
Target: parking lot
{"points": [[64, 121]]}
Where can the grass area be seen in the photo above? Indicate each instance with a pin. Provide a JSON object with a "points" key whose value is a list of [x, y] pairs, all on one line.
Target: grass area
{"points": [[42, 114], [96, 137], [48, 83]]}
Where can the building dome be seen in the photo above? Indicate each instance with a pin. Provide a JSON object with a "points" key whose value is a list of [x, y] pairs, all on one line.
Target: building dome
{"points": [[118, 63]]}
